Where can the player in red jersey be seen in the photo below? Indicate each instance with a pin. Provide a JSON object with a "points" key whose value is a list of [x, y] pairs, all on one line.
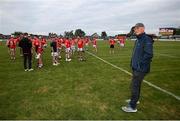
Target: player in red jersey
{"points": [[68, 49], [121, 40], [111, 43], [94, 42], [87, 43], [11, 44], [17, 40], [73, 46], [44, 43], [40, 49], [39, 55], [63, 43], [36, 43], [80, 45]]}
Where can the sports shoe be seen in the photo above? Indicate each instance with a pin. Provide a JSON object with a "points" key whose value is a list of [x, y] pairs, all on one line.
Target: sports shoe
{"points": [[40, 66], [54, 64], [26, 70], [128, 101], [128, 109], [31, 69], [83, 59]]}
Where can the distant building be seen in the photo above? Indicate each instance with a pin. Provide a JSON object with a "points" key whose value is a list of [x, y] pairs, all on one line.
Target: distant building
{"points": [[1, 36], [95, 35], [4, 36], [168, 33]]}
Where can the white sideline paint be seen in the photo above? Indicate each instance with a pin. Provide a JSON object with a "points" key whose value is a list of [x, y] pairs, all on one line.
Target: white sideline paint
{"points": [[127, 72], [166, 55]]}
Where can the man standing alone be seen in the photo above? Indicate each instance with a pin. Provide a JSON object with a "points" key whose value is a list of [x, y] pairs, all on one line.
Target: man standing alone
{"points": [[140, 63], [26, 46]]}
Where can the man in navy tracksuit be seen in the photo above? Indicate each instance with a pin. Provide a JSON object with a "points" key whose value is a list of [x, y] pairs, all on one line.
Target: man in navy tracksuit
{"points": [[140, 63], [26, 45]]}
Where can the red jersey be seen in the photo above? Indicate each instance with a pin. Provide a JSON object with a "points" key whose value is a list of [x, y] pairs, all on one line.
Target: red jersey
{"points": [[43, 41], [112, 42], [73, 42], [18, 39], [59, 43], [76, 40], [94, 42], [40, 47], [36, 41], [122, 39], [67, 43], [11, 43], [63, 41], [87, 40], [80, 43]]}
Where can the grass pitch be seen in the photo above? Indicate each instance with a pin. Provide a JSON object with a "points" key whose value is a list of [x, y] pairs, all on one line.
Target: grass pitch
{"points": [[89, 89]]}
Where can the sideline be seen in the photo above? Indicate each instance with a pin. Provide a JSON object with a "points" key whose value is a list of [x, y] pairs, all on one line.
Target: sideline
{"points": [[127, 72]]}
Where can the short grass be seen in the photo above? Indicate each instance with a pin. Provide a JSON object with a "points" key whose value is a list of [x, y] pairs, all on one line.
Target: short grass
{"points": [[89, 89]]}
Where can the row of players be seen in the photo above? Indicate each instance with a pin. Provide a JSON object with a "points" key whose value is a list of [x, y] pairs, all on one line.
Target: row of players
{"points": [[70, 45], [58, 45]]}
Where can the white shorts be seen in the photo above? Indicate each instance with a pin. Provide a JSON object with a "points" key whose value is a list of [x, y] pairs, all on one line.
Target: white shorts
{"points": [[63, 45], [38, 56], [94, 46], [54, 54], [73, 48], [122, 44], [12, 49], [80, 49], [68, 50], [45, 45], [87, 44]]}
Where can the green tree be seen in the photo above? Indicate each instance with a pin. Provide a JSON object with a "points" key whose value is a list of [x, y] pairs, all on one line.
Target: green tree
{"points": [[104, 35], [69, 34], [17, 33], [79, 33]]}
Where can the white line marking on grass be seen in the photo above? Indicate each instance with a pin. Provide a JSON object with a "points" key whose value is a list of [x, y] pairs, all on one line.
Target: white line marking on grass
{"points": [[127, 72], [166, 55]]}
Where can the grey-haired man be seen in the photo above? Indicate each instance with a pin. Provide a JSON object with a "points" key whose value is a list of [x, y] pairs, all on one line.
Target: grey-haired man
{"points": [[140, 64]]}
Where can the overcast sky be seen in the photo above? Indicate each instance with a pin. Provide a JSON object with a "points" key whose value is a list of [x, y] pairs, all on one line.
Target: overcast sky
{"points": [[112, 16]]}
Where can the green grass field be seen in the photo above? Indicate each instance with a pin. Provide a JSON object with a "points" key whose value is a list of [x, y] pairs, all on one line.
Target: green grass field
{"points": [[91, 89]]}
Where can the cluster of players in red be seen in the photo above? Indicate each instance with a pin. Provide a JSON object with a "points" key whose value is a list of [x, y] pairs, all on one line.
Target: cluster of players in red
{"points": [[70, 46], [120, 41], [58, 46]]}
